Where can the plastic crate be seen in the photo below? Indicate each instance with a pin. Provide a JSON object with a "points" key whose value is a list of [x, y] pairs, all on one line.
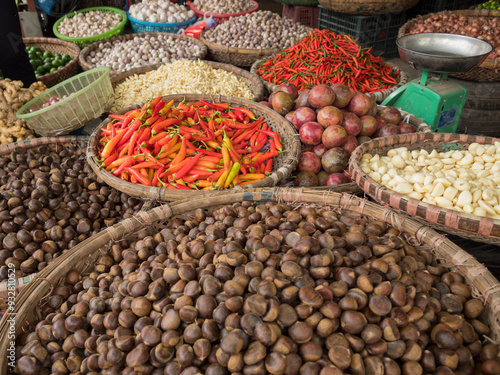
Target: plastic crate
{"points": [[307, 16], [434, 6], [379, 32]]}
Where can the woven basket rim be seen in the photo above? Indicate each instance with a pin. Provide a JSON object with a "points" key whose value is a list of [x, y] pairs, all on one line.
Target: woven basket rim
{"points": [[487, 63], [83, 254], [242, 51], [241, 74], [72, 47], [403, 78], [162, 194], [85, 51], [200, 14], [352, 6], [402, 140]]}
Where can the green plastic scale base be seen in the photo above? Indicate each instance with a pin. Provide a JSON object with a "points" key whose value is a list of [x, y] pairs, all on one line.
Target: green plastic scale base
{"points": [[437, 101]]}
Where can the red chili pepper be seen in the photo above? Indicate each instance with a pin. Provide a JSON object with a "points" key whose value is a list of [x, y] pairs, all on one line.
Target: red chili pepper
{"points": [[154, 181], [127, 163], [109, 159], [128, 133], [140, 178], [187, 167]]}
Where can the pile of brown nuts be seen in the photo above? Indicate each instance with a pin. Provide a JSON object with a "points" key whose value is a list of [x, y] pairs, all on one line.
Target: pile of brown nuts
{"points": [[262, 290], [50, 200]]}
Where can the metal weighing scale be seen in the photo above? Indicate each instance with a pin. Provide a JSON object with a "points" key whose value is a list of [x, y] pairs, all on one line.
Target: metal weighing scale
{"points": [[436, 99]]}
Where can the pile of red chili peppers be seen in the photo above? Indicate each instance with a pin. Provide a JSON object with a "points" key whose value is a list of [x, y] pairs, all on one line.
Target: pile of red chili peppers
{"points": [[326, 57], [190, 146]]}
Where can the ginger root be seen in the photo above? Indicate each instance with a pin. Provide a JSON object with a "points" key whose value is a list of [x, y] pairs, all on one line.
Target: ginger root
{"points": [[12, 97]]}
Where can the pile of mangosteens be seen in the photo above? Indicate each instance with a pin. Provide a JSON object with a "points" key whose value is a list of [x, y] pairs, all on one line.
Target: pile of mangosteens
{"points": [[332, 120]]}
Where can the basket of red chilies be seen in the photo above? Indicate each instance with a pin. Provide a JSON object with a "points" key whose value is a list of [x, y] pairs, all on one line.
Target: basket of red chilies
{"points": [[176, 146]]}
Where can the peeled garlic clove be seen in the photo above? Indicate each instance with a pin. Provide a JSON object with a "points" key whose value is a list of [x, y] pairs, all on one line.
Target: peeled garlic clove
{"points": [[487, 207], [416, 195], [438, 190], [479, 211], [403, 188], [443, 202], [450, 192], [464, 198], [461, 184]]}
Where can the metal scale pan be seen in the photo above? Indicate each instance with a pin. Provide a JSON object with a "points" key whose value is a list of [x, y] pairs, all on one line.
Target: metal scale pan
{"points": [[442, 53], [437, 100]]}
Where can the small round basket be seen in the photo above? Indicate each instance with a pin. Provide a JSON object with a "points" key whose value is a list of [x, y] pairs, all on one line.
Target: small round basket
{"points": [[473, 227], [55, 45], [489, 70], [92, 95], [221, 18], [283, 165], [253, 82], [154, 27], [82, 42], [84, 54], [368, 7], [379, 95], [422, 248]]}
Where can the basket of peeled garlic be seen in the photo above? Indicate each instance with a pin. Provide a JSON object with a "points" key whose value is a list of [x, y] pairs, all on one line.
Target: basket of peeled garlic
{"points": [[450, 182]]}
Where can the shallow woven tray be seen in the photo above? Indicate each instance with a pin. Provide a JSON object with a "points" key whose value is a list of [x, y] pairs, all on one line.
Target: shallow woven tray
{"points": [[283, 165], [473, 227], [368, 7], [237, 56], [489, 70], [83, 256], [55, 45], [253, 81], [86, 51], [379, 96]]}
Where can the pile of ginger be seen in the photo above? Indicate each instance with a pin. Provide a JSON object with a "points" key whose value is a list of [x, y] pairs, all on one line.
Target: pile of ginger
{"points": [[12, 97]]}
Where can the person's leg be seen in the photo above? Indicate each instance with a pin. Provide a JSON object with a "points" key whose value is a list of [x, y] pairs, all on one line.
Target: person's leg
{"points": [[14, 61]]}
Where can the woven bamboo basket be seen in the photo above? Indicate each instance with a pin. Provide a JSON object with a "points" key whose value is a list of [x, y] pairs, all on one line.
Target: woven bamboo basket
{"points": [[283, 165], [379, 95], [87, 50], [55, 45], [221, 18], [8, 149], [82, 257], [473, 227], [237, 56], [253, 82], [368, 7], [489, 70]]}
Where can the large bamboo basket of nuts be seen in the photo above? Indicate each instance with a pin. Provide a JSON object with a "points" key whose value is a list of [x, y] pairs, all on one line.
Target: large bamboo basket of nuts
{"points": [[241, 283], [50, 200], [459, 197]]}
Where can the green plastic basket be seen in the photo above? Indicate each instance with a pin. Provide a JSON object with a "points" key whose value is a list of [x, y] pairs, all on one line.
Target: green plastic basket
{"points": [[92, 95], [83, 42]]}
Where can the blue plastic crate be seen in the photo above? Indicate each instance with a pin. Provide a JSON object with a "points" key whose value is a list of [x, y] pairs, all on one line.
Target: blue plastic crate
{"points": [[379, 32], [150, 27]]}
